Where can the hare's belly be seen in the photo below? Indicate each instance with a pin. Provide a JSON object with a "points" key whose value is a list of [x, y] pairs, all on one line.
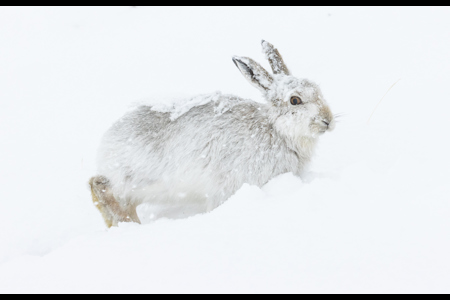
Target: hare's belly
{"points": [[177, 190], [171, 193], [170, 200]]}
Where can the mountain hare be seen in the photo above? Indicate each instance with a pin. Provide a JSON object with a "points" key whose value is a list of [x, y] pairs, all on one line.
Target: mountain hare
{"points": [[194, 156]]}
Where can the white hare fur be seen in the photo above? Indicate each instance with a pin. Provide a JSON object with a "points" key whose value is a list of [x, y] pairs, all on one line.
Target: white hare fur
{"points": [[193, 162]]}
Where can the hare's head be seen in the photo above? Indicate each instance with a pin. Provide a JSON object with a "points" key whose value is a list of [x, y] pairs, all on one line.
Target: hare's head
{"points": [[298, 108]]}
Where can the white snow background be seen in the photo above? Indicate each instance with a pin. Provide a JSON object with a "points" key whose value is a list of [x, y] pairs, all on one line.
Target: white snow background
{"points": [[371, 216]]}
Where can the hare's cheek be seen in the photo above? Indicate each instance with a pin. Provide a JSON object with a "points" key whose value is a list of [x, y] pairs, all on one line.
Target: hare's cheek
{"points": [[292, 126], [304, 126], [286, 126]]}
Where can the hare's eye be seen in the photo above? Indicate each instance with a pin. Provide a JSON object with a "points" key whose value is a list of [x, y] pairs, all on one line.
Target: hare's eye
{"points": [[296, 100]]}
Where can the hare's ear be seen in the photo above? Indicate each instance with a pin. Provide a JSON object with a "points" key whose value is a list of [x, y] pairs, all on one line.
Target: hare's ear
{"points": [[274, 58], [253, 72]]}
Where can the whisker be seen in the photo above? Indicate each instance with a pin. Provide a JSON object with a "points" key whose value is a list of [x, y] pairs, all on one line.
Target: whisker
{"points": [[339, 115]]}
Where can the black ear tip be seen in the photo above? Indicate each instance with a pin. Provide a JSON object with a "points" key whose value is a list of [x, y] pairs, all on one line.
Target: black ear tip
{"points": [[237, 60], [242, 65], [234, 59]]}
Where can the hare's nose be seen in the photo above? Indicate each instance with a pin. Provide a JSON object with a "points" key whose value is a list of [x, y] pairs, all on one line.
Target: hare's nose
{"points": [[326, 123]]}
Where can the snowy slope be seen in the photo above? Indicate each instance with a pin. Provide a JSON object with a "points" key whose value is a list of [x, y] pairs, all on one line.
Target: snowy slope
{"points": [[371, 216]]}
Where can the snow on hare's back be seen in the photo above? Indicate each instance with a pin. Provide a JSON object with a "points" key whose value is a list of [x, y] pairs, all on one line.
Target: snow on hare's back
{"points": [[192, 157]]}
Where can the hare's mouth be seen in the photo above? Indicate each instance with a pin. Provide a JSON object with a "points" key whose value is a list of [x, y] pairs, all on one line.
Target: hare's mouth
{"points": [[321, 131], [325, 126]]}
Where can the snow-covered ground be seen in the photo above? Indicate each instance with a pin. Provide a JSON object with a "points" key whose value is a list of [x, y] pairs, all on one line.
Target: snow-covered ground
{"points": [[372, 214]]}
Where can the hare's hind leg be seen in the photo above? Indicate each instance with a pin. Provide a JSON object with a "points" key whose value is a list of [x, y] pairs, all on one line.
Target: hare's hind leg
{"points": [[112, 211]]}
